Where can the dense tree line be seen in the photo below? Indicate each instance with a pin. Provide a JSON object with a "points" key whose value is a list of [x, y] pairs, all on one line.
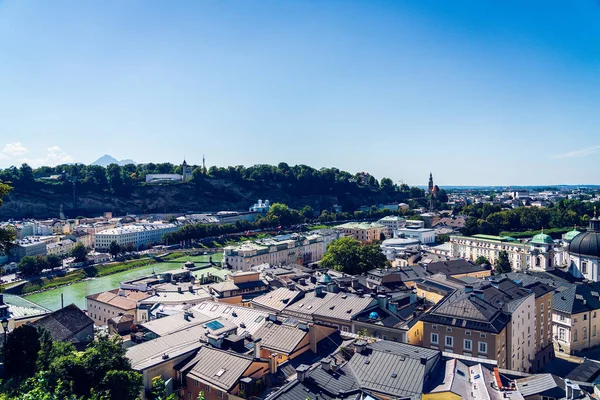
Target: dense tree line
{"points": [[492, 219], [36, 367], [299, 179]]}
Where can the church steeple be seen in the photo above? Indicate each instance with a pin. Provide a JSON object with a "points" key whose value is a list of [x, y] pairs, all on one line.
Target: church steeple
{"points": [[430, 189]]}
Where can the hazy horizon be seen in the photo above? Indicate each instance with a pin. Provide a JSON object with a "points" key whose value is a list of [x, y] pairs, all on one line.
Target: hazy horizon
{"points": [[481, 93]]}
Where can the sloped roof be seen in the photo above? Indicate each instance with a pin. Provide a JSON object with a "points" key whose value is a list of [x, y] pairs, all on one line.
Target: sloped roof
{"points": [[277, 299], [248, 320], [344, 306], [63, 324], [542, 384], [219, 368], [309, 304], [127, 301], [280, 337], [575, 299]]}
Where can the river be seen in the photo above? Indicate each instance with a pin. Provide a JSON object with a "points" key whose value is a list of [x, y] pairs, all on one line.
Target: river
{"points": [[77, 292]]}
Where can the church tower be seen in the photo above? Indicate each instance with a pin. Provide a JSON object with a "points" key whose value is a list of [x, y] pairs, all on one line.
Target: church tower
{"points": [[430, 190], [186, 171]]}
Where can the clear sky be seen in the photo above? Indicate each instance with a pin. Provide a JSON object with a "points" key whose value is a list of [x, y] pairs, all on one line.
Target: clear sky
{"points": [[479, 92]]}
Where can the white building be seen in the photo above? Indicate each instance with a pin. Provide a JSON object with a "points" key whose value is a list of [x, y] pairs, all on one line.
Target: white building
{"points": [[584, 253], [138, 235], [280, 250], [424, 235], [392, 224], [260, 206], [155, 178], [61, 249]]}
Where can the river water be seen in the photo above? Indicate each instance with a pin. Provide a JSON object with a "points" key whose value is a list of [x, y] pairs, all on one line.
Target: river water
{"points": [[77, 292]]}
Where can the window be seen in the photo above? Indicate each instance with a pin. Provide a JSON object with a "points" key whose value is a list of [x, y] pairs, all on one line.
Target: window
{"points": [[434, 338], [542, 307], [468, 333], [195, 383], [189, 396], [594, 314], [468, 344], [345, 328], [449, 341], [434, 327], [448, 329], [584, 267], [584, 333], [482, 335], [575, 335], [593, 330], [561, 333], [219, 394], [561, 318], [483, 347]]}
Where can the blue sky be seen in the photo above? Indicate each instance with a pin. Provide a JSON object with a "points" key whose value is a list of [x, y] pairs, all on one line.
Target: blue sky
{"points": [[478, 92]]}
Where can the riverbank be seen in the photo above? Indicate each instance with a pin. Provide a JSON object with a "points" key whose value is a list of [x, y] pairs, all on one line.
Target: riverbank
{"points": [[95, 271], [76, 293]]}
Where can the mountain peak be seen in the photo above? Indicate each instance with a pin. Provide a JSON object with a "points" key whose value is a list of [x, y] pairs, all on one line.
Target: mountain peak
{"points": [[107, 159]]}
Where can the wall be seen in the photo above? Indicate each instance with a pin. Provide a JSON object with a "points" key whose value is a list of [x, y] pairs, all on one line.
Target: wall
{"points": [[102, 312], [521, 343]]}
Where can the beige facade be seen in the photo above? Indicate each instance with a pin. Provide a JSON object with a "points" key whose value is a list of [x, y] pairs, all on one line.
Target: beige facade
{"points": [[471, 247], [106, 305], [363, 232], [575, 332], [293, 250], [521, 337]]}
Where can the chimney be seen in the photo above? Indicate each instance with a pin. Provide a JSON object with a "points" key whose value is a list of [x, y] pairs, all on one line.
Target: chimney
{"points": [[318, 290], [273, 363], [302, 371], [313, 337], [180, 290], [272, 317], [1, 299], [122, 293], [360, 346], [326, 364], [424, 360], [413, 296], [257, 349], [382, 301], [468, 289]]}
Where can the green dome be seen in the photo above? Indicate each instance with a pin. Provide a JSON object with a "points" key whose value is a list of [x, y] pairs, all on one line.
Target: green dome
{"points": [[542, 238], [571, 234]]}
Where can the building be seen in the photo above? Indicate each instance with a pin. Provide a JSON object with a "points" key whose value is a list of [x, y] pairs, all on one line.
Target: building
{"points": [[31, 246], [362, 231], [19, 311], [231, 217], [541, 253], [392, 224], [488, 246], [380, 370], [457, 269], [221, 374], [280, 250], [106, 305], [490, 321], [186, 171], [81, 236], [575, 317], [584, 252], [339, 310], [418, 232], [260, 207], [237, 285], [137, 236], [276, 300], [69, 324], [61, 249]]}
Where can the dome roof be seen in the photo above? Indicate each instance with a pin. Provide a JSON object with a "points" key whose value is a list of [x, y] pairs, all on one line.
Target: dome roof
{"points": [[542, 238], [325, 278], [587, 243], [571, 234]]}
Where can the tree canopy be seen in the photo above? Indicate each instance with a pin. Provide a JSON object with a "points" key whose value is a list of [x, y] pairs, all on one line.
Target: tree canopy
{"points": [[350, 256], [502, 264]]}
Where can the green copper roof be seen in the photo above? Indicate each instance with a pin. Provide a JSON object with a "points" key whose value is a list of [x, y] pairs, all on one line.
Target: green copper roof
{"points": [[571, 234], [542, 238]]}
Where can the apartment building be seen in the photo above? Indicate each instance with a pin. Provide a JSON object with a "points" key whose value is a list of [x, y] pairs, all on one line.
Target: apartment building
{"points": [[138, 236], [392, 224], [106, 305], [488, 246], [280, 250], [61, 249], [576, 317], [363, 231], [491, 320]]}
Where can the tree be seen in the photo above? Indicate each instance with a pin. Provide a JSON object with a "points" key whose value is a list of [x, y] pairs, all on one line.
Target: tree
{"points": [[502, 263], [121, 385], [79, 252], [7, 234], [30, 266], [349, 256], [21, 352], [54, 261], [114, 249], [482, 260]]}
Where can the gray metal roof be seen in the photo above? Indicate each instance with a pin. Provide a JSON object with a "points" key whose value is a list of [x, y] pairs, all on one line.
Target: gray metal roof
{"points": [[173, 323], [151, 353], [344, 306], [248, 320], [306, 306], [540, 384], [277, 299], [219, 368], [279, 337], [392, 368], [20, 308]]}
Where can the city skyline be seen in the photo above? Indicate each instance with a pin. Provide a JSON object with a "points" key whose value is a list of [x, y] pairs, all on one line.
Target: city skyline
{"points": [[477, 92]]}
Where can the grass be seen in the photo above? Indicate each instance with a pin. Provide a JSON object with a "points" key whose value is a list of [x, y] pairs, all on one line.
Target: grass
{"points": [[315, 227]]}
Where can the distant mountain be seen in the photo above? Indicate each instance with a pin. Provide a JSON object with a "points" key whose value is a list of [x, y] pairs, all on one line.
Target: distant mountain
{"points": [[106, 160]]}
